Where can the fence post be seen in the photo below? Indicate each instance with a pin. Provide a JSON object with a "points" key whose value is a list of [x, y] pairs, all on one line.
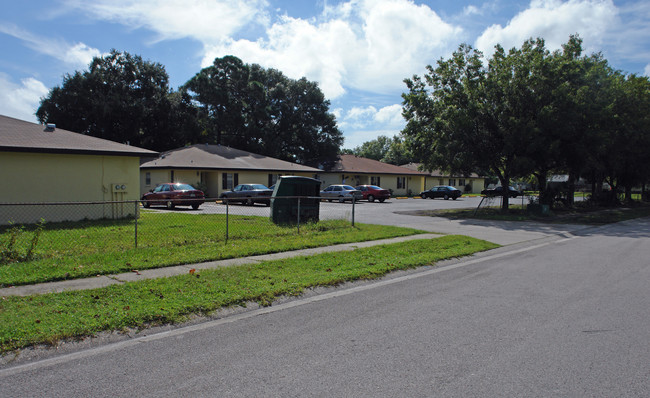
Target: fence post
{"points": [[226, 219], [298, 214], [135, 214], [354, 201]]}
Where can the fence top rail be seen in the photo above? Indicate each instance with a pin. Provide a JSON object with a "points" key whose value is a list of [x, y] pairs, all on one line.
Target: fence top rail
{"points": [[133, 201], [69, 203]]}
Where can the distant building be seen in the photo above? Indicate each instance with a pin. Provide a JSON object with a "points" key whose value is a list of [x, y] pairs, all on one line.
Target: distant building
{"points": [[354, 170], [437, 177], [216, 168]]}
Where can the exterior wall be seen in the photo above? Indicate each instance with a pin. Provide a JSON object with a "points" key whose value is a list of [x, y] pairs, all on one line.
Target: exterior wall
{"points": [[212, 180], [413, 183], [42, 177], [476, 183]]}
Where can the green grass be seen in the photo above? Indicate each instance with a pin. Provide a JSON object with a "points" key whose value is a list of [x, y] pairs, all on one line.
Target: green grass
{"points": [[90, 248], [576, 215], [46, 319]]}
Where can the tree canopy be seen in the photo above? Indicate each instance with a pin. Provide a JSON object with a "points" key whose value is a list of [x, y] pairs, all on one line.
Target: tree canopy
{"points": [[529, 111], [121, 98], [385, 149], [263, 111]]}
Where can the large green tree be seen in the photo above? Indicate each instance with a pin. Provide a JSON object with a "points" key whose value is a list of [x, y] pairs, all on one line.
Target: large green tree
{"points": [[121, 98], [261, 110]]}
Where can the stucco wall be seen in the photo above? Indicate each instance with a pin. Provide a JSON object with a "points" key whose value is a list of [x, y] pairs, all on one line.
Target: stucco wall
{"points": [[386, 181], [476, 183], [212, 179], [39, 178]]}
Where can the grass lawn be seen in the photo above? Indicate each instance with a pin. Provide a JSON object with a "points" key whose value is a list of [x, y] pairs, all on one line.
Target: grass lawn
{"points": [[46, 319], [577, 215], [85, 249]]}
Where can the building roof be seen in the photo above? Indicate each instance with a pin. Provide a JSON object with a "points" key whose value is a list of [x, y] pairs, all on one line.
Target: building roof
{"points": [[21, 136], [204, 156], [358, 165], [435, 173]]}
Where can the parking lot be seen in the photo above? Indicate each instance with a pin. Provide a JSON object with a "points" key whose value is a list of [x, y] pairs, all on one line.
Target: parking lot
{"points": [[365, 212]]}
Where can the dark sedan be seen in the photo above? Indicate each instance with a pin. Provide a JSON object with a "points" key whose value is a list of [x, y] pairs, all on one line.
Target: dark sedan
{"points": [[174, 194], [249, 194], [372, 192], [442, 191], [498, 191]]}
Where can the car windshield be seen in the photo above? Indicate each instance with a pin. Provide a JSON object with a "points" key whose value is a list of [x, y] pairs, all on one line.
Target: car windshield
{"points": [[258, 186], [183, 187]]}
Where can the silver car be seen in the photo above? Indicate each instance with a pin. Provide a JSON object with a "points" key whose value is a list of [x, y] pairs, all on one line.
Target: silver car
{"points": [[341, 193]]}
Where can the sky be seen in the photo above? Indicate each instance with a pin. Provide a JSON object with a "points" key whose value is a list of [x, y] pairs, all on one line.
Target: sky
{"points": [[359, 51]]}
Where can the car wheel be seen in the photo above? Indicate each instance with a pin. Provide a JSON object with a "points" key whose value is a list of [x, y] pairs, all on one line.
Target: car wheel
{"points": [[371, 198], [170, 204], [455, 197], [382, 200], [423, 196], [146, 204], [195, 206], [249, 202], [341, 199], [446, 197], [329, 200], [224, 200]]}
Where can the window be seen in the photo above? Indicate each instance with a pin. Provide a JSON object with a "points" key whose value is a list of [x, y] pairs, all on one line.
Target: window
{"points": [[441, 181], [229, 180], [375, 180], [401, 182], [147, 178], [452, 182], [461, 182]]}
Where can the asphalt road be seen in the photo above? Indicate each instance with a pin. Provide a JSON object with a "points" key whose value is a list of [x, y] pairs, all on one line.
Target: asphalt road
{"points": [[560, 316]]}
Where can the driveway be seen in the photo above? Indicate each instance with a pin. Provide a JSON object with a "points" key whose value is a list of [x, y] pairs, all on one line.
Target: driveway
{"points": [[396, 212]]}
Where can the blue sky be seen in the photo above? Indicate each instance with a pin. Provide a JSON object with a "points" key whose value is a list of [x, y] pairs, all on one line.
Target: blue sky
{"points": [[359, 51]]}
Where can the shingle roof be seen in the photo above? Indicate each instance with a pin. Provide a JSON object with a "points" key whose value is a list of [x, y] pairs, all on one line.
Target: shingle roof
{"points": [[434, 173], [21, 136], [359, 165], [204, 156]]}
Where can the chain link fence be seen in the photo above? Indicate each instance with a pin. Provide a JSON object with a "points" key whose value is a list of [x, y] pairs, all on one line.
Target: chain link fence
{"points": [[128, 224]]}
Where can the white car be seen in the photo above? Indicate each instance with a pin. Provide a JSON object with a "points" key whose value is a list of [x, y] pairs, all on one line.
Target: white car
{"points": [[341, 193]]}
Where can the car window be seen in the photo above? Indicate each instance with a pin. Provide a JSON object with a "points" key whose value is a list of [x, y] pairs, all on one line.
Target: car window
{"points": [[183, 187], [258, 186], [337, 188], [374, 187], [238, 188], [348, 188], [166, 188]]}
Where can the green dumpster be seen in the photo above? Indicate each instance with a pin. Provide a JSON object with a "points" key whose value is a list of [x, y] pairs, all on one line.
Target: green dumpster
{"points": [[291, 193]]}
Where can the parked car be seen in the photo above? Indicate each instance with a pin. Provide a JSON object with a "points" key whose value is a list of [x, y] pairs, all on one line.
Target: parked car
{"points": [[442, 191], [498, 191], [249, 194], [341, 193], [372, 192], [174, 194]]}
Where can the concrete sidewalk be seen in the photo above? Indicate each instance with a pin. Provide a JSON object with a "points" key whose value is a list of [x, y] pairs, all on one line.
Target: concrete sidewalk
{"points": [[107, 280]]}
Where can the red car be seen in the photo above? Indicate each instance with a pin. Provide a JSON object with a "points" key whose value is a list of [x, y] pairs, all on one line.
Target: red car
{"points": [[372, 192], [174, 194]]}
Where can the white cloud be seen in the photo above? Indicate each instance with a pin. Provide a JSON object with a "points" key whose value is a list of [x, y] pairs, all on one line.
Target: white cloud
{"points": [[363, 124], [204, 20], [647, 70], [370, 45], [77, 55], [20, 100], [553, 20]]}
